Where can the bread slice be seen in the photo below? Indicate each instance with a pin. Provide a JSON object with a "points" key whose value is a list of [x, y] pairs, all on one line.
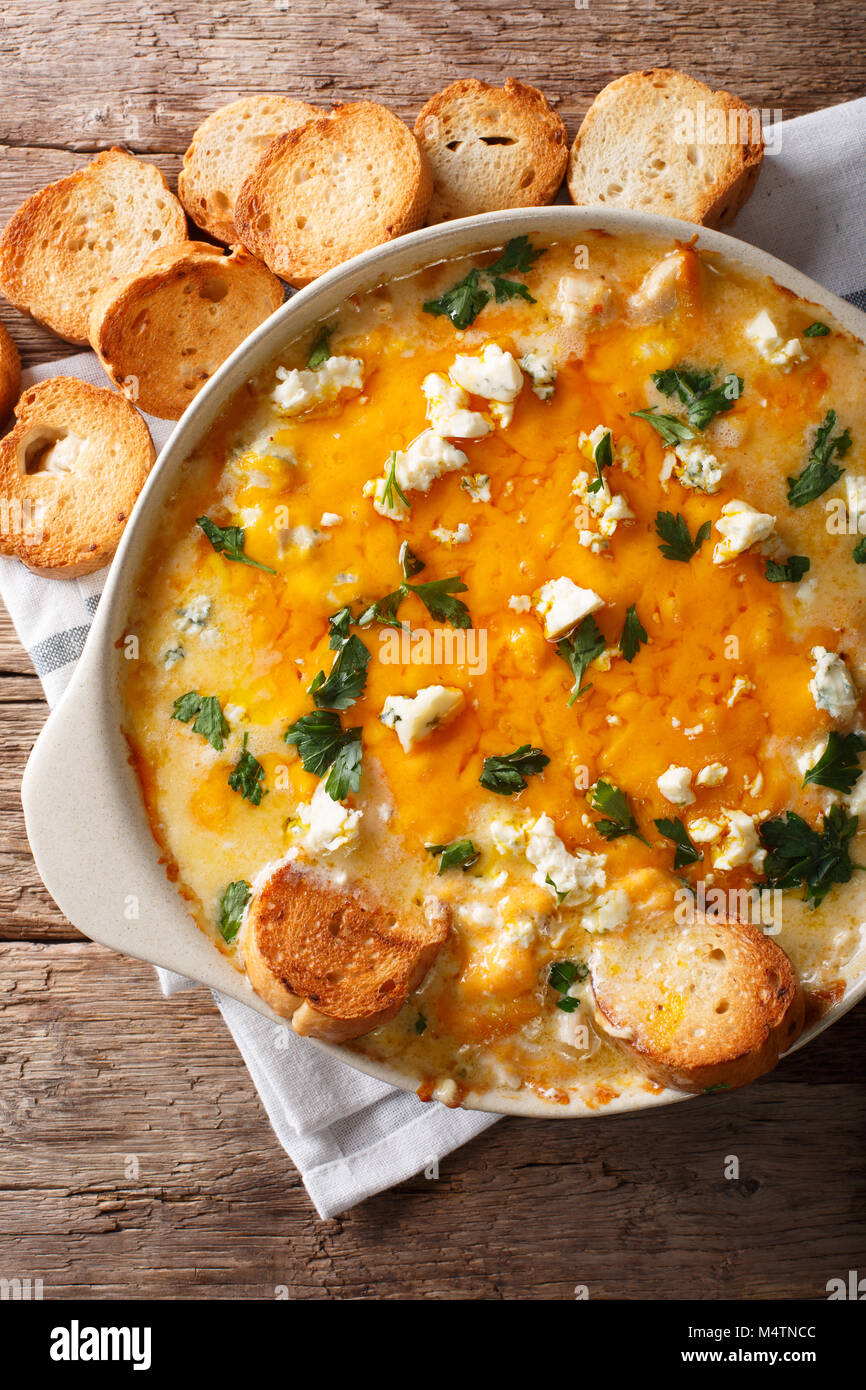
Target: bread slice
{"points": [[700, 1006], [10, 374], [491, 147], [70, 471], [660, 141], [68, 239], [225, 149], [161, 332], [337, 186], [344, 952]]}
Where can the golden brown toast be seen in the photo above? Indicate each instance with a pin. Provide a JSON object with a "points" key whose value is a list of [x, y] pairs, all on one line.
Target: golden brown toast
{"points": [[10, 374], [344, 952]]}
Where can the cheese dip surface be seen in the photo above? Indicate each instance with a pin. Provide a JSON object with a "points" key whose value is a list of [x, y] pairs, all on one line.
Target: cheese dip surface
{"points": [[544, 601]]}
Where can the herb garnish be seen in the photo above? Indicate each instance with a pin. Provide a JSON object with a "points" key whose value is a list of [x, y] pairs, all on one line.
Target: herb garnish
{"points": [[686, 851], [247, 776], [633, 634], [210, 721], [320, 350], [338, 627], [859, 552], [506, 773], [563, 974], [578, 651], [789, 571], [436, 596], [392, 486], [229, 541], [820, 471], [618, 819], [678, 544], [420, 1024], [672, 430], [798, 854], [409, 562], [838, 766], [347, 679], [464, 301], [703, 400], [232, 904], [816, 330], [323, 743], [459, 854], [602, 456]]}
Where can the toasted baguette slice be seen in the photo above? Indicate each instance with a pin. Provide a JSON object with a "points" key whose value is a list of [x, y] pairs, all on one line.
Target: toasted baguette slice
{"points": [[225, 149], [161, 332], [342, 951], [697, 1006], [10, 374], [67, 240], [70, 472], [491, 147], [335, 187], [660, 141]]}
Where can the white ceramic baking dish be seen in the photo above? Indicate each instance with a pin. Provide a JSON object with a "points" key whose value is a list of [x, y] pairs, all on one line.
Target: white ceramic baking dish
{"points": [[84, 813]]}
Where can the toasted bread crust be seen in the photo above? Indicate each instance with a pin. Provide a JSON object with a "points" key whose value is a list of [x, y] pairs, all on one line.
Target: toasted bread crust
{"points": [[343, 951], [71, 518], [719, 1007], [225, 150], [491, 147], [627, 152], [68, 239], [10, 374], [336, 186], [162, 332]]}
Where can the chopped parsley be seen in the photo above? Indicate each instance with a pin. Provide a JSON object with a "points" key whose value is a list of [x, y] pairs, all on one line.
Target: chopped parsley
{"points": [[703, 400], [229, 542], [506, 773], [437, 596], [392, 486], [347, 678], [820, 471], [578, 651], [464, 301], [602, 456], [678, 543], [232, 904], [247, 776], [798, 854], [561, 894], [338, 627], [790, 571], [323, 743], [859, 552], [563, 974], [210, 721], [686, 851], [613, 805], [816, 330], [633, 634], [672, 430], [409, 562], [320, 350], [420, 1024], [839, 765], [459, 854]]}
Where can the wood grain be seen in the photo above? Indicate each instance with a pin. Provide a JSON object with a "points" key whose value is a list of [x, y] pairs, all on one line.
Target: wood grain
{"points": [[96, 1068]]}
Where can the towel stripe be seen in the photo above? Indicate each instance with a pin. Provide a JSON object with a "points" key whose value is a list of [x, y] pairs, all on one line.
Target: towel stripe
{"points": [[54, 652]]}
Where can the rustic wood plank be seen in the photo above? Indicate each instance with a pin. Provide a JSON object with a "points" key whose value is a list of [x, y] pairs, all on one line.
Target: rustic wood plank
{"points": [[96, 1068]]}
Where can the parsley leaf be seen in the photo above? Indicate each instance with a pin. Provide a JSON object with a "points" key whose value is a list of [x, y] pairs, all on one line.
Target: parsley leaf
{"points": [[838, 766], [563, 974], [618, 819], [436, 596], [672, 430], [247, 776], [790, 571], [859, 552], [323, 743], [816, 330], [420, 1024], [232, 904], [686, 851], [459, 854], [338, 627], [602, 456], [320, 350], [229, 541], [633, 634], [462, 303], [409, 562], [561, 895], [678, 544], [798, 854], [702, 400], [578, 651], [347, 678], [210, 721], [820, 471], [345, 774], [506, 773]]}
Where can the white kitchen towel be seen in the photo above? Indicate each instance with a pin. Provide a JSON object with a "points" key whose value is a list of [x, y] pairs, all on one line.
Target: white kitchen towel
{"points": [[348, 1135]]}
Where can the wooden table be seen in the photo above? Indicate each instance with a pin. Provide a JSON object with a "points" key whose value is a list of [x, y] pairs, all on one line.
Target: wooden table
{"points": [[136, 1158]]}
